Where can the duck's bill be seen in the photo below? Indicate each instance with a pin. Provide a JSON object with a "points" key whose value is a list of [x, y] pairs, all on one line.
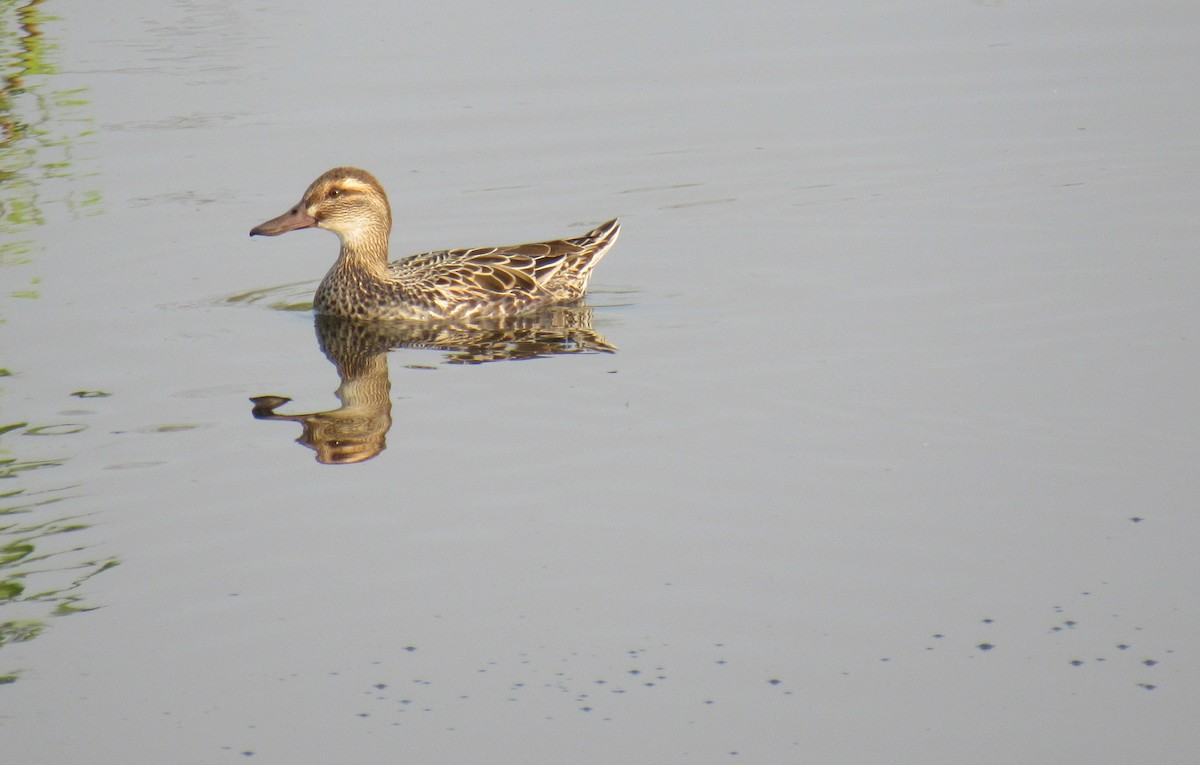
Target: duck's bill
{"points": [[290, 221]]}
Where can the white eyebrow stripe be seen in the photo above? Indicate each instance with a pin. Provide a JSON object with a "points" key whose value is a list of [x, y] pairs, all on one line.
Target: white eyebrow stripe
{"points": [[353, 184]]}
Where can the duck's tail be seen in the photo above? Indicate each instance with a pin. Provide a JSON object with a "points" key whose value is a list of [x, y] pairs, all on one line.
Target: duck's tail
{"points": [[592, 247], [600, 238]]}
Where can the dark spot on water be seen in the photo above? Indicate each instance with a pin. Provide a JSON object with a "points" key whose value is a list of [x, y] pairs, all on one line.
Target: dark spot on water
{"points": [[410, 648], [380, 686], [1147, 686], [1076, 663], [1137, 519], [988, 621], [1149, 662], [1122, 646], [985, 646]]}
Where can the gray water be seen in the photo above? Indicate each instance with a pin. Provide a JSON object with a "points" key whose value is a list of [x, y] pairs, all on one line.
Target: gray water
{"points": [[894, 459]]}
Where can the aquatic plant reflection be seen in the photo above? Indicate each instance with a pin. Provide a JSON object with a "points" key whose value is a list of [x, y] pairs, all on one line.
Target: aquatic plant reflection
{"points": [[42, 572], [357, 430], [44, 558], [41, 129]]}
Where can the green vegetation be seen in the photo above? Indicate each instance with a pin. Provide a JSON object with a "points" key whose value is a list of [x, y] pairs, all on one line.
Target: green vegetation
{"points": [[42, 129], [46, 554]]}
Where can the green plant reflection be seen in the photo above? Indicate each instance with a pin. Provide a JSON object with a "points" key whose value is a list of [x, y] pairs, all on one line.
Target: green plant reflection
{"points": [[42, 127], [42, 566], [45, 557]]}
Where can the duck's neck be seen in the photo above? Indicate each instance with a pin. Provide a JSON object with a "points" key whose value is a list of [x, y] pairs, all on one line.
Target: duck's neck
{"points": [[365, 251]]}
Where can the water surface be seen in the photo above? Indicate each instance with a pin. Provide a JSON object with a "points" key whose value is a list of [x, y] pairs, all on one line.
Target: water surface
{"points": [[889, 455]]}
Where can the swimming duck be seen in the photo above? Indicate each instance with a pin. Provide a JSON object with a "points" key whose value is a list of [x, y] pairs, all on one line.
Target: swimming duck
{"points": [[448, 285]]}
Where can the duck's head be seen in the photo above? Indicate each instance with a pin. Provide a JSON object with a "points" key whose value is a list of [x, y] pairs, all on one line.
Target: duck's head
{"points": [[345, 200]]}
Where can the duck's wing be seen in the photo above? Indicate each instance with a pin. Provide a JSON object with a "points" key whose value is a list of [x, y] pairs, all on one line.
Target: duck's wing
{"points": [[486, 270]]}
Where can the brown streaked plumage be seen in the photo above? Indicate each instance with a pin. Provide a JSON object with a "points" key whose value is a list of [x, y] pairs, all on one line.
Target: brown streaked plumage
{"points": [[448, 285]]}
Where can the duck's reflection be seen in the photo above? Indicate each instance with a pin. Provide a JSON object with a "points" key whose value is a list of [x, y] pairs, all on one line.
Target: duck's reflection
{"points": [[357, 430]]}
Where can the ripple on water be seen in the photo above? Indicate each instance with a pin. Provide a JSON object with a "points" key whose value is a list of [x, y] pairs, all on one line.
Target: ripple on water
{"points": [[293, 296]]}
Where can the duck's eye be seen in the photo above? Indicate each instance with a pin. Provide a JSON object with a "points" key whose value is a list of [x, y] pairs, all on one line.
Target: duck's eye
{"points": [[335, 193]]}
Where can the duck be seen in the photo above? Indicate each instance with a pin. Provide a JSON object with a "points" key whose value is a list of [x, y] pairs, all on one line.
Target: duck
{"points": [[443, 286]]}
